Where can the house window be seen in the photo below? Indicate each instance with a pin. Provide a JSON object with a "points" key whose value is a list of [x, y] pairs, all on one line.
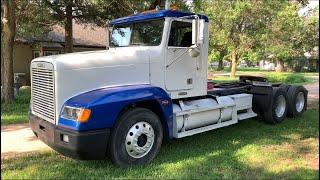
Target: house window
{"points": [[36, 54], [49, 53]]}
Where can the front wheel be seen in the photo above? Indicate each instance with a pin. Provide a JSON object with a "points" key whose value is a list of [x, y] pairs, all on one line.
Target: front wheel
{"points": [[136, 138]]}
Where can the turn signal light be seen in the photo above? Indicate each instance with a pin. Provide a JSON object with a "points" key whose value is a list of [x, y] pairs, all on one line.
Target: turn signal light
{"points": [[84, 115]]}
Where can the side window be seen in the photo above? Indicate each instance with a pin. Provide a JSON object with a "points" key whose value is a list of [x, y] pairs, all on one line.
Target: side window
{"points": [[180, 34]]}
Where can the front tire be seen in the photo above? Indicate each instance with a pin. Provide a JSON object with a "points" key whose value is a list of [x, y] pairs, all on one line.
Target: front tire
{"points": [[136, 138]]}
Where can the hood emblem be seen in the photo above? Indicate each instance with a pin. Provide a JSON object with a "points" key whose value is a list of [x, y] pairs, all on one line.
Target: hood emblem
{"points": [[40, 65]]}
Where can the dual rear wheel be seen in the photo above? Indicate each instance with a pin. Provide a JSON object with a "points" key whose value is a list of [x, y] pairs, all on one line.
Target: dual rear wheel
{"points": [[290, 101]]}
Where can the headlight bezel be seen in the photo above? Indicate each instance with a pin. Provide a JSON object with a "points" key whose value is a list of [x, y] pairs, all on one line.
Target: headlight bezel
{"points": [[75, 113]]}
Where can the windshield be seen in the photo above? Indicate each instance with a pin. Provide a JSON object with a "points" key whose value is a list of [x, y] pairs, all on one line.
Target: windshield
{"points": [[147, 33]]}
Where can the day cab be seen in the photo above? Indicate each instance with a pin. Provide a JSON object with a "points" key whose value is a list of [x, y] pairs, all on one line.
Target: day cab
{"points": [[149, 84]]}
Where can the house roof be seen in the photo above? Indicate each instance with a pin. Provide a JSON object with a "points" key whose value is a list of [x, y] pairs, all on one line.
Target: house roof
{"points": [[154, 15], [83, 35]]}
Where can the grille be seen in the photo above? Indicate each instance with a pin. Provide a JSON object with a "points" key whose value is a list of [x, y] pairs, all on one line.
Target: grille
{"points": [[42, 92]]}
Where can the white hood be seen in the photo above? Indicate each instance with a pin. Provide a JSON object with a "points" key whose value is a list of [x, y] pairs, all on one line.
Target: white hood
{"points": [[76, 73]]}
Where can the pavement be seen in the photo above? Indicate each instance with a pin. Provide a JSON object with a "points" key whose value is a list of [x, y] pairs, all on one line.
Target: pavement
{"points": [[18, 139], [313, 90]]}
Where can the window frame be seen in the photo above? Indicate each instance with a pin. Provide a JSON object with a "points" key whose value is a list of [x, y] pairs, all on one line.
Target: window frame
{"points": [[131, 24], [169, 31], [36, 51]]}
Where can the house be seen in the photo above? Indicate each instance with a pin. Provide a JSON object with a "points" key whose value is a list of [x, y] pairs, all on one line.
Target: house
{"points": [[86, 37]]}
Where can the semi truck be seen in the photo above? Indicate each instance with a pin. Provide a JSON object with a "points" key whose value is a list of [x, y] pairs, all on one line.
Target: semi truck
{"points": [[149, 85]]}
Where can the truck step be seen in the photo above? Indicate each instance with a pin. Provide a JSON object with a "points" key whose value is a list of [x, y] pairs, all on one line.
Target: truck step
{"points": [[247, 115]]}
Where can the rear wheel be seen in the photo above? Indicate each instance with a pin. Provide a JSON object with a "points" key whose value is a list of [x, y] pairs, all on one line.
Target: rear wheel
{"points": [[278, 110], [297, 101], [136, 138]]}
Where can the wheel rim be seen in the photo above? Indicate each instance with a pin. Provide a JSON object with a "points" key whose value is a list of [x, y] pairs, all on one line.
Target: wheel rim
{"points": [[280, 106], [300, 102], [139, 139]]}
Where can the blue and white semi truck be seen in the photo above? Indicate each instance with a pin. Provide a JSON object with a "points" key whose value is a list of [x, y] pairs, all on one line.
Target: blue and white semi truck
{"points": [[150, 84]]}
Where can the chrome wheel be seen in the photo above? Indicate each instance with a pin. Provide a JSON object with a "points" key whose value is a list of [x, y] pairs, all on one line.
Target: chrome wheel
{"points": [[139, 139], [280, 106], [300, 102]]}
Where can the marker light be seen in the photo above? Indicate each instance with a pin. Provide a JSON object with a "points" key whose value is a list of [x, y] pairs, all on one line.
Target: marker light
{"points": [[76, 114], [85, 115]]}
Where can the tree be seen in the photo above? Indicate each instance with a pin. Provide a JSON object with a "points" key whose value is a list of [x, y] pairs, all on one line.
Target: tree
{"points": [[286, 35], [98, 11], [8, 34], [32, 20], [236, 27], [20, 18]]}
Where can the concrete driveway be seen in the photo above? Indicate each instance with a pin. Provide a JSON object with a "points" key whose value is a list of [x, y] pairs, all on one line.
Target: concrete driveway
{"points": [[18, 139]]}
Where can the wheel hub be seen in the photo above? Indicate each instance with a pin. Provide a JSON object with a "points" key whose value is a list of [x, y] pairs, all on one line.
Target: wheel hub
{"points": [[139, 139], [280, 106], [300, 102]]}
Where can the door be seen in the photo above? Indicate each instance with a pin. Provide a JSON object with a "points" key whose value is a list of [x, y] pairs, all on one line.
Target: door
{"points": [[180, 66]]}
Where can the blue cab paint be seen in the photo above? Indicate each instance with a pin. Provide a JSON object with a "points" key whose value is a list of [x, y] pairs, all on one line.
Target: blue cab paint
{"points": [[155, 15], [107, 103]]}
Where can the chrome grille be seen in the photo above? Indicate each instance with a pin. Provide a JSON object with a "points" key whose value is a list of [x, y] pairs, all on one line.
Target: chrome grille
{"points": [[42, 92]]}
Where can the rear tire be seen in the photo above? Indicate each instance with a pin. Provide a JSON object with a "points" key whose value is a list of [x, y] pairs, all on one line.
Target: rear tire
{"points": [[278, 110], [297, 101], [136, 138]]}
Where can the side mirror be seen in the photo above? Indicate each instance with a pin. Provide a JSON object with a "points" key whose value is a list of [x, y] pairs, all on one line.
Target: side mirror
{"points": [[197, 31], [194, 52]]}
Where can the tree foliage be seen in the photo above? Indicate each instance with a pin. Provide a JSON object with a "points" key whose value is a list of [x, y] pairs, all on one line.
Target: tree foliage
{"points": [[253, 30]]}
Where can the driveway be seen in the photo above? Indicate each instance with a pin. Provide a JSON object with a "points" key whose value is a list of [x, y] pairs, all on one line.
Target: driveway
{"points": [[313, 91], [18, 139]]}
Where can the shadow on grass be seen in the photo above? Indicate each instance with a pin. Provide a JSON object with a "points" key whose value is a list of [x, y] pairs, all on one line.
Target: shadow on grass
{"points": [[248, 150]]}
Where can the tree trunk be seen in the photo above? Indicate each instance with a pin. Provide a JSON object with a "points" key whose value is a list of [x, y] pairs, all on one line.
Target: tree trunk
{"points": [[233, 64], [220, 65], [68, 29], [8, 34], [280, 66], [223, 53]]}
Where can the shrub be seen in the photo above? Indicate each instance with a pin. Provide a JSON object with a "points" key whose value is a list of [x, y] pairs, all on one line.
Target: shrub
{"points": [[287, 78]]}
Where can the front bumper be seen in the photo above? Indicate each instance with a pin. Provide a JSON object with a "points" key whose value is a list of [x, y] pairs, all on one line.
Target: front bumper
{"points": [[80, 145]]}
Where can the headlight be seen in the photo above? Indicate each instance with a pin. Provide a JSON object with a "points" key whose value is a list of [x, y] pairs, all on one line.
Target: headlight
{"points": [[76, 114]]}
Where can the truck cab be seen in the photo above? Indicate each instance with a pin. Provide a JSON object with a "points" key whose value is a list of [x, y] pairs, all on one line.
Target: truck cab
{"points": [[149, 84]]}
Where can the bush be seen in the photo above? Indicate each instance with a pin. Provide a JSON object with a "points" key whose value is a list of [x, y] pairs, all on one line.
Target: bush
{"points": [[287, 78], [17, 112]]}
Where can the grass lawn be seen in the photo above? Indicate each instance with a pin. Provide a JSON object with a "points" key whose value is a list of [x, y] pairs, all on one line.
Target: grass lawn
{"points": [[248, 150], [18, 111], [274, 77]]}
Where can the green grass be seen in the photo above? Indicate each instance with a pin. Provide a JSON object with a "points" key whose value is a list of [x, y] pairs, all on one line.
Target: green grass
{"points": [[274, 77], [17, 112], [248, 150]]}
